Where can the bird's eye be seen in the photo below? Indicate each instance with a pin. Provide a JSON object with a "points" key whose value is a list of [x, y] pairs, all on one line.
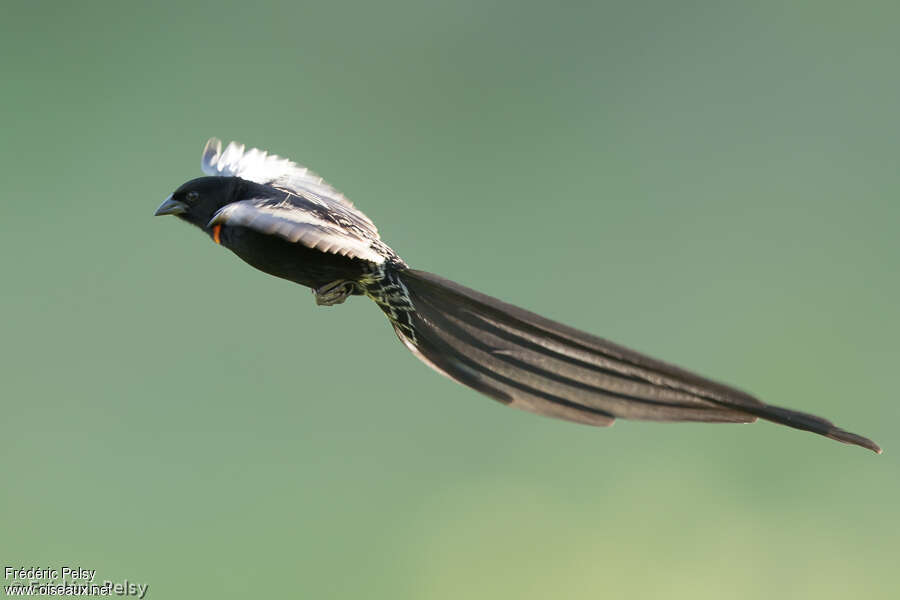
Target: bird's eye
{"points": [[192, 196]]}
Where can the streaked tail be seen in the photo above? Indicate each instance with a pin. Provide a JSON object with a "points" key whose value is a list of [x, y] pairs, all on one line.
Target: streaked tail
{"points": [[533, 363]]}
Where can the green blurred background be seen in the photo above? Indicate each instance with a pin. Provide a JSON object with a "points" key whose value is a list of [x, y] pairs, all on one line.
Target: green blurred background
{"points": [[711, 183]]}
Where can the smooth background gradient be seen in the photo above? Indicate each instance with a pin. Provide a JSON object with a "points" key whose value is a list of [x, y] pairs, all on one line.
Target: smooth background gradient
{"points": [[714, 185]]}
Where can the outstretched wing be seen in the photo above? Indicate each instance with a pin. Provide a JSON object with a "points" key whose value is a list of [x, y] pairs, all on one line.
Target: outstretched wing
{"points": [[269, 169], [296, 221]]}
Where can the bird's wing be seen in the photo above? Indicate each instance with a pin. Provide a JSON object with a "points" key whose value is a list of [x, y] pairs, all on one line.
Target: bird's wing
{"points": [[295, 224], [270, 169]]}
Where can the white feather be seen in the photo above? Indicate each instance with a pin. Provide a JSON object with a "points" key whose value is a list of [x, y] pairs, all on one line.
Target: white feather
{"points": [[261, 167], [296, 226]]}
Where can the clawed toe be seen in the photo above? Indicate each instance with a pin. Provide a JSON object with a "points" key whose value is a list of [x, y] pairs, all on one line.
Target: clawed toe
{"points": [[335, 292]]}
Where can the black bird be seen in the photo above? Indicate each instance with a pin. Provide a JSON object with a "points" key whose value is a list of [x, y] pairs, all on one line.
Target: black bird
{"points": [[285, 220]]}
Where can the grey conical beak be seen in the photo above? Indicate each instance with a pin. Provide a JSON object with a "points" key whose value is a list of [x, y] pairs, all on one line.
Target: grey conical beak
{"points": [[170, 207]]}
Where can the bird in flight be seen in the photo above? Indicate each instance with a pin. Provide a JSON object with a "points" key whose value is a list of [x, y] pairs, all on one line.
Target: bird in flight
{"points": [[287, 221]]}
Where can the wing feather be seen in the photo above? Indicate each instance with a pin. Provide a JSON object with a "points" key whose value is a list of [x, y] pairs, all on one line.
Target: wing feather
{"points": [[296, 225], [270, 169]]}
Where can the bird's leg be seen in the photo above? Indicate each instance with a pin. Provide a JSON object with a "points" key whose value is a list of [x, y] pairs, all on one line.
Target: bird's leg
{"points": [[334, 293]]}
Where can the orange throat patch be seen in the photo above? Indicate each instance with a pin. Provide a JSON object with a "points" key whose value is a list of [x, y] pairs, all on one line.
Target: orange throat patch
{"points": [[216, 231]]}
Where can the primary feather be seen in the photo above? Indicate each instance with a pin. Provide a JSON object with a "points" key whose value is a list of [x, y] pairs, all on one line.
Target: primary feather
{"points": [[270, 169], [290, 221]]}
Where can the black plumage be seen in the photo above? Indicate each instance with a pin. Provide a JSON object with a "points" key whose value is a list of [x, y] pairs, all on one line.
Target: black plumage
{"points": [[286, 221]]}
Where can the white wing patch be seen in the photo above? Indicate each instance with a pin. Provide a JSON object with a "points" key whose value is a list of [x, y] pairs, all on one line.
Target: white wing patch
{"points": [[270, 169], [295, 226]]}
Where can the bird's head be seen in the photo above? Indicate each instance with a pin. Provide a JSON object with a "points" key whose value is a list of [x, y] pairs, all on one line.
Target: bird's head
{"points": [[198, 200]]}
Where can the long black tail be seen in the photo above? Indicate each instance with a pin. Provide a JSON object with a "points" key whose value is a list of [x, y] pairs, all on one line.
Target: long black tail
{"points": [[536, 364]]}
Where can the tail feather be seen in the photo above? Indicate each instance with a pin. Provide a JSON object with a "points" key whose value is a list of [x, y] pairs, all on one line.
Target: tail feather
{"points": [[533, 363], [554, 381]]}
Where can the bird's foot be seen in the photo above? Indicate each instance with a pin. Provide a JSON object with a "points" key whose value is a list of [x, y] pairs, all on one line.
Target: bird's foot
{"points": [[334, 293]]}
